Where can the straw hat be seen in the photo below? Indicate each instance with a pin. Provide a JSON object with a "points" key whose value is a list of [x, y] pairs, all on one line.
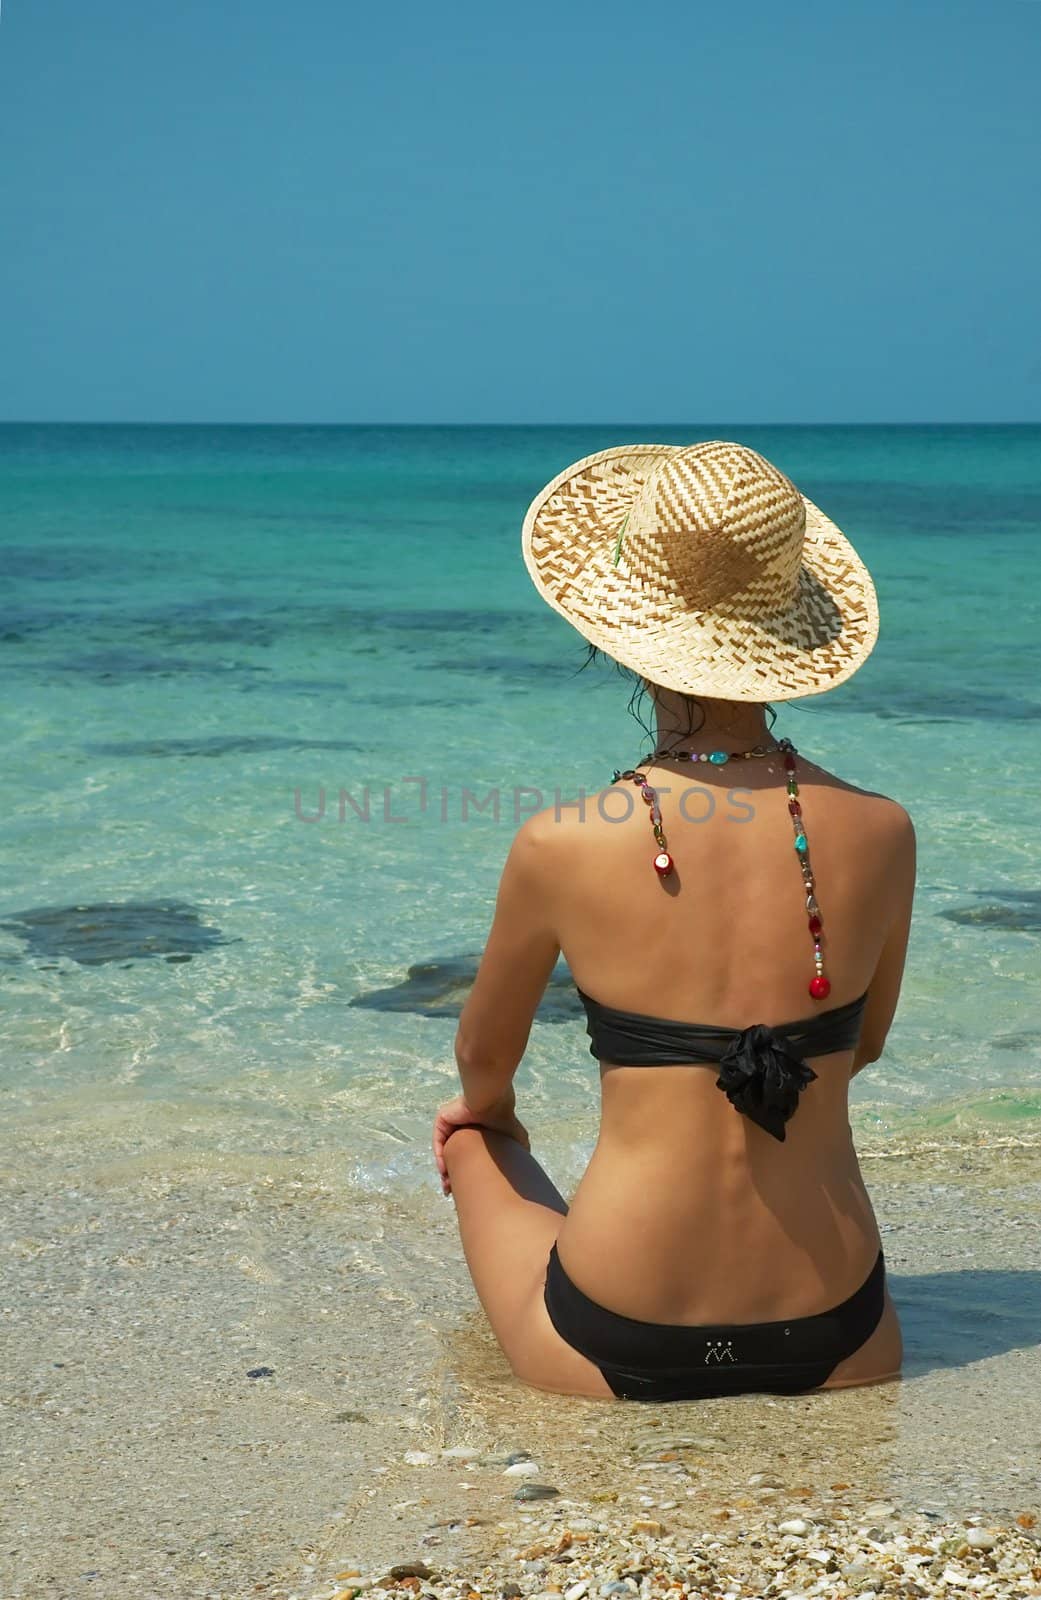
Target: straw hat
{"points": [[703, 568]]}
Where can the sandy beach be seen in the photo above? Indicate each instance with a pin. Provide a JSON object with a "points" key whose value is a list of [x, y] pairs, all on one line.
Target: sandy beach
{"points": [[240, 1377]]}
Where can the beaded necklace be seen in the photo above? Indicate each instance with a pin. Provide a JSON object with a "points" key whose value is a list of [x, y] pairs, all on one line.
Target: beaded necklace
{"points": [[819, 985]]}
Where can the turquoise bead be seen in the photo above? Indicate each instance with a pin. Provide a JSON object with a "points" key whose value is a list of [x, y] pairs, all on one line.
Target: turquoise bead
{"points": [[800, 841], [718, 757]]}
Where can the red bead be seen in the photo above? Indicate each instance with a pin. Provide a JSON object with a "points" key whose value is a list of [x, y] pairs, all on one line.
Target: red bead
{"points": [[663, 864], [795, 808], [789, 763], [820, 988], [815, 925]]}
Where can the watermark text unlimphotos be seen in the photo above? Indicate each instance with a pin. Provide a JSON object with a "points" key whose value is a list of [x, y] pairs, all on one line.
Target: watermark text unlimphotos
{"points": [[413, 800]]}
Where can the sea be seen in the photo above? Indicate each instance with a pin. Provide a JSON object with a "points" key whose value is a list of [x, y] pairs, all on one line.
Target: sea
{"points": [[274, 700]]}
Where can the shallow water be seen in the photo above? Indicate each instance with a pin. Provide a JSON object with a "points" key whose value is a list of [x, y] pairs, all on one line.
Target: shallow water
{"points": [[282, 1360], [231, 655], [258, 686]]}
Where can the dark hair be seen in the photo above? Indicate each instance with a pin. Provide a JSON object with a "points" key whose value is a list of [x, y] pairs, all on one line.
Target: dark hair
{"points": [[640, 688]]}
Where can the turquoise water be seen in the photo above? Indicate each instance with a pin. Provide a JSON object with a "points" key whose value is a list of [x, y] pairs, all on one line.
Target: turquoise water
{"points": [[202, 629]]}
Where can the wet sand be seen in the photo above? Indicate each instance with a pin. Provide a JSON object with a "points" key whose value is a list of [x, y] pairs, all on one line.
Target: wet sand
{"points": [[139, 1456]]}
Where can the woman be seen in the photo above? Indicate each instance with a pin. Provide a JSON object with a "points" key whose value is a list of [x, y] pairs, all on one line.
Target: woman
{"points": [[721, 1239]]}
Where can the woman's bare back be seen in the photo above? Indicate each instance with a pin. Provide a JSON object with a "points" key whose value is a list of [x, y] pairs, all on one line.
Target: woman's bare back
{"points": [[688, 1211]]}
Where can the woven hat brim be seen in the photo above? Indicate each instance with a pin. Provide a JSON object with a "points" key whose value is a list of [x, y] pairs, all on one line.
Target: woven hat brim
{"points": [[570, 538]]}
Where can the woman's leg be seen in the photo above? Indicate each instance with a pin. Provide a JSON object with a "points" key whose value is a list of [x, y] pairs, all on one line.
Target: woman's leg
{"points": [[509, 1216]]}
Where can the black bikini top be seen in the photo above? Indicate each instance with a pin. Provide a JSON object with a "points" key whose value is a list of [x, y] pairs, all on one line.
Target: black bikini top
{"points": [[762, 1071]]}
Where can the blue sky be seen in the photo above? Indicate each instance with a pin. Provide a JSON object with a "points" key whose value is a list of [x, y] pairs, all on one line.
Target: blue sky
{"points": [[334, 212]]}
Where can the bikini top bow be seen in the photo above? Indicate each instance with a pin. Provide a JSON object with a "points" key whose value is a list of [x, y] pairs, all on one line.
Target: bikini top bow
{"points": [[762, 1078]]}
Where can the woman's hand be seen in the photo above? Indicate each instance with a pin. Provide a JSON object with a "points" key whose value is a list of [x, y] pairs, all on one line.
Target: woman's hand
{"points": [[502, 1118]]}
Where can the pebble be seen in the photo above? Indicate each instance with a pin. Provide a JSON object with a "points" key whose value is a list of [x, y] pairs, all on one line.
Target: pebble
{"points": [[521, 1469], [460, 1452], [878, 1510], [859, 1572], [609, 1557], [418, 1458]]}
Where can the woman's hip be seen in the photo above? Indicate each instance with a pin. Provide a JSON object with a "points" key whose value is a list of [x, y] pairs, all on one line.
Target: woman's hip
{"points": [[646, 1360]]}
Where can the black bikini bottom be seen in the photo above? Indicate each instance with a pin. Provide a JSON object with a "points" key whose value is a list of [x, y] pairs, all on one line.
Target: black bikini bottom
{"points": [[677, 1361]]}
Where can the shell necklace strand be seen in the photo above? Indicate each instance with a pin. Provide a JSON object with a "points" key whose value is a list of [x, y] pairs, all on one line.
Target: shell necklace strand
{"points": [[819, 985]]}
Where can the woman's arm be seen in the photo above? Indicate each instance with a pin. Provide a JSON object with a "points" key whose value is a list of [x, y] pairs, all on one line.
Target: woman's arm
{"points": [[518, 959], [884, 989], [521, 953]]}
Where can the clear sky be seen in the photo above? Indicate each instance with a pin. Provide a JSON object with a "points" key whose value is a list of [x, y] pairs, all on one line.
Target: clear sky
{"points": [[326, 211]]}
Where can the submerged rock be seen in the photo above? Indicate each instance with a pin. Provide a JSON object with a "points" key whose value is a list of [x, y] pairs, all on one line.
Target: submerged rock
{"points": [[112, 930], [1026, 1039], [218, 744], [439, 988], [1018, 912]]}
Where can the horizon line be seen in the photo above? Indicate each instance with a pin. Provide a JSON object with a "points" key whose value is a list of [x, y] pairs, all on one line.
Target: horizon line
{"points": [[187, 422]]}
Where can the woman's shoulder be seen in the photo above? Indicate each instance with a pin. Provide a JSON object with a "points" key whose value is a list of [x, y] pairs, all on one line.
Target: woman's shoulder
{"points": [[570, 816], [550, 839], [875, 800], [876, 817]]}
